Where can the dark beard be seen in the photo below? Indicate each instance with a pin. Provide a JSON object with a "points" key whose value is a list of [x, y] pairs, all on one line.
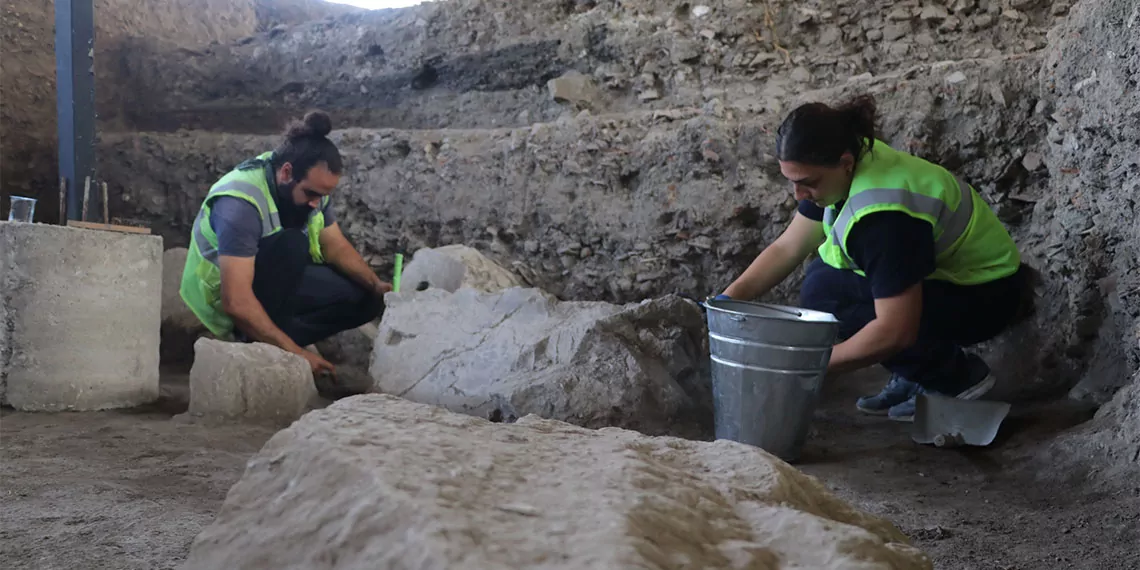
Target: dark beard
{"points": [[292, 215]]}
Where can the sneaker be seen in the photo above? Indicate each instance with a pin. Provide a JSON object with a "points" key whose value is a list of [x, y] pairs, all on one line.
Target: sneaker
{"points": [[897, 391], [904, 411], [977, 382]]}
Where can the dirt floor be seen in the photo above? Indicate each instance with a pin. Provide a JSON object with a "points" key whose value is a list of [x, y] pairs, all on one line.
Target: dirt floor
{"points": [[130, 490]]}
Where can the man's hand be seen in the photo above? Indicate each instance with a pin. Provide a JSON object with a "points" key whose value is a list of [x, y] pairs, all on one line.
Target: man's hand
{"points": [[340, 254], [318, 364]]}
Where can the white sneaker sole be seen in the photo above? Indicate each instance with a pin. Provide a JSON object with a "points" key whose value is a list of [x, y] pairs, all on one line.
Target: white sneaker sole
{"points": [[871, 412]]}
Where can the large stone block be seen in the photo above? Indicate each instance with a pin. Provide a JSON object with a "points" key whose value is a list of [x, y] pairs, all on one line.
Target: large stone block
{"points": [[79, 317], [453, 266], [521, 351], [253, 381], [375, 481]]}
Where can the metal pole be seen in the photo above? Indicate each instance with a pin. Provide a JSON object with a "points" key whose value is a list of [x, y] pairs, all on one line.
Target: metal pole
{"points": [[75, 97]]}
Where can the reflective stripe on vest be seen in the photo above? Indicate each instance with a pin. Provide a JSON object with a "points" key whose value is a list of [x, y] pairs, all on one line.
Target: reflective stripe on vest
{"points": [[270, 218], [950, 225]]}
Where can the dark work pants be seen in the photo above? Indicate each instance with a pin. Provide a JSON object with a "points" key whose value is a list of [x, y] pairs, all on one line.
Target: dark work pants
{"points": [[309, 302], [953, 316]]}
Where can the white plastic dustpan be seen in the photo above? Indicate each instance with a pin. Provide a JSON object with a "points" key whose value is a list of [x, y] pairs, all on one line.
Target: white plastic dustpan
{"points": [[949, 422]]}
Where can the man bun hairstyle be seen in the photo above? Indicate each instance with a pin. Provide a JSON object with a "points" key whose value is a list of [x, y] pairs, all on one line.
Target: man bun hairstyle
{"points": [[306, 144], [817, 134]]}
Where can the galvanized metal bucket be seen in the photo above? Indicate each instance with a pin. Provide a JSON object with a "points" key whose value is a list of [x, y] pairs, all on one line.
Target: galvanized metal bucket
{"points": [[768, 364]]}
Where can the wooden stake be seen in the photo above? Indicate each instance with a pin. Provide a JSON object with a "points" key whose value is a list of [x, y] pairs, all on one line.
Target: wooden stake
{"points": [[108, 227], [62, 201], [86, 196], [106, 208]]}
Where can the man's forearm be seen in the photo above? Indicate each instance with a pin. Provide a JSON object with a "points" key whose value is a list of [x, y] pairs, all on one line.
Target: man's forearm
{"points": [[346, 259], [251, 318]]}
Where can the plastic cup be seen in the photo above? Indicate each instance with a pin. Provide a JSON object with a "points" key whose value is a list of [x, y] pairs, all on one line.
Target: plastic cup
{"points": [[22, 209]]}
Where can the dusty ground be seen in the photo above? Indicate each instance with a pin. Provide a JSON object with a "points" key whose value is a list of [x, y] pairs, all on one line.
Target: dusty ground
{"points": [[130, 490]]}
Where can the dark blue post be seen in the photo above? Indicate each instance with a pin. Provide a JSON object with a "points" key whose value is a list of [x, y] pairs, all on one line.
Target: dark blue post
{"points": [[75, 102]]}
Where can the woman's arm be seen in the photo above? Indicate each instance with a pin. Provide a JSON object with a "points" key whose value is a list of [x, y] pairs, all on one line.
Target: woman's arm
{"points": [[779, 259]]}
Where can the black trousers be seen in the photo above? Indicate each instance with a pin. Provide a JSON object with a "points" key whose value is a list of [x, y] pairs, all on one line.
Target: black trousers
{"points": [[953, 316], [309, 302]]}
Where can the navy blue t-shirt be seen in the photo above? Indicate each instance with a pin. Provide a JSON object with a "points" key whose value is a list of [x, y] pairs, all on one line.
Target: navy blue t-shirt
{"points": [[894, 249], [238, 225]]}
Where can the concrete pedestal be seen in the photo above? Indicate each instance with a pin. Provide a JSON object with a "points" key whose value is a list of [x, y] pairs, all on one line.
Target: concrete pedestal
{"points": [[80, 312]]}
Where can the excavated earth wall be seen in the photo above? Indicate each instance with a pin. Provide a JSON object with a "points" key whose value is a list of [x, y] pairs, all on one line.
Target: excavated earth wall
{"points": [[28, 159]]}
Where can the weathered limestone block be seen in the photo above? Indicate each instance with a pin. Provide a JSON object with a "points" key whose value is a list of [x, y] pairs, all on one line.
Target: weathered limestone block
{"points": [[180, 327], [453, 266], [253, 381], [521, 351], [375, 481], [79, 317]]}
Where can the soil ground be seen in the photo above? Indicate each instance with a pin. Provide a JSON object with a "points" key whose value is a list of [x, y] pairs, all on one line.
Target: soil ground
{"points": [[131, 489]]}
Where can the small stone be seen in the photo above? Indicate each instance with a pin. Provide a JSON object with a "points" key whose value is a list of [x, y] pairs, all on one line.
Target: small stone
{"points": [[702, 242], [1021, 4], [998, 94], [701, 10], [874, 35], [1032, 161], [956, 77], [951, 24], [801, 75], [964, 5], [898, 49], [830, 35], [649, 95], [899, 15], [983, 21], [924, 39], [895, 31], [707, 34], [762, 58], [531, 246], [685, 51], [934, 12], [572, 87]]}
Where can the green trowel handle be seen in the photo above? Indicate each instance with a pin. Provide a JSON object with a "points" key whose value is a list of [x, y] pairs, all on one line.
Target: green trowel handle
{"points": [[396, 273]]}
